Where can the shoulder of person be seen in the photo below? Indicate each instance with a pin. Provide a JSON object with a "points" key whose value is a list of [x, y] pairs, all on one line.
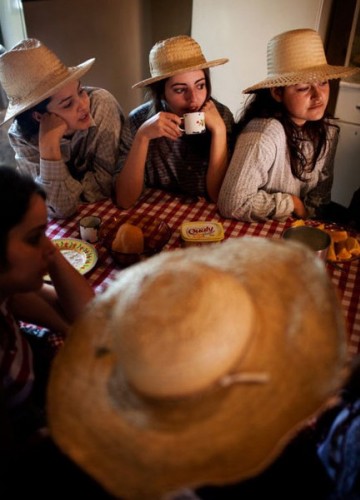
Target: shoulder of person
{"points": [[268, 126], [142, 110], [332, 127], [100, 95], [103, 103]]}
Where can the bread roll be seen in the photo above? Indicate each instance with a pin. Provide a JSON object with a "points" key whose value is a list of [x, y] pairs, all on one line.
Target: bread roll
{"points": [[128, 239]]}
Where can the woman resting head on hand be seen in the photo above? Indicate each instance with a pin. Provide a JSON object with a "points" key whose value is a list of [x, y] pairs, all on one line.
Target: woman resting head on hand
{"points": [[64, 135], [154, 151], [282, 164], [26, 255]]}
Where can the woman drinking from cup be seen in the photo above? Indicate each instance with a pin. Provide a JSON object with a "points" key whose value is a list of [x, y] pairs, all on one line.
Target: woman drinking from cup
{"points": [[155, 150]]}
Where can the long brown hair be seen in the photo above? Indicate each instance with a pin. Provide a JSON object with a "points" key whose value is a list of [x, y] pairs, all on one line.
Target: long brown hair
{"points": [[261, 104], [26, 122]]}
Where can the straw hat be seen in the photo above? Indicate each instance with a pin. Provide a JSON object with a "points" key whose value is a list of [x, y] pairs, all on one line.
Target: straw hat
{"points": [[30, 72], [176, 55], [196, 367], [298, 56]]}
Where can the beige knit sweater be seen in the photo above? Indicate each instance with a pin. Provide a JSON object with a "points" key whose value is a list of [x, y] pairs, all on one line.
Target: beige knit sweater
{"points": [[259, 183]]}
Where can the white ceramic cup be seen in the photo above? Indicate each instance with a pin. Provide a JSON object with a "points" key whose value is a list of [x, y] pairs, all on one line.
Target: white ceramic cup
{"points": [[194, 123], [89, 228]]}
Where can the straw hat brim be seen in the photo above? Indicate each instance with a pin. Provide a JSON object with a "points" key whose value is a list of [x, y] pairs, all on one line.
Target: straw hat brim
{"points": [[209, 64], [221, 435], [74, 73], [308, 75]]}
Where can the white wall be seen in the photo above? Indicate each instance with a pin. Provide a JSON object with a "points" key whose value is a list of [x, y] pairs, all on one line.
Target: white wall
{"points": [[109, 30], [240, 30], [12, 22], [118, 33]]}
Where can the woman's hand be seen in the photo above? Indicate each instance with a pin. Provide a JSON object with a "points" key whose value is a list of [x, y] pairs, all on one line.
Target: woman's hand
{"points": [[52, 129], [299, 208], [163, 124], [213, 119]]}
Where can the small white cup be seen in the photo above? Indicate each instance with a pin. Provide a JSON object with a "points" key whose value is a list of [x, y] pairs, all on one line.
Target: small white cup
{"points": [[194, 123], [89, 228]]}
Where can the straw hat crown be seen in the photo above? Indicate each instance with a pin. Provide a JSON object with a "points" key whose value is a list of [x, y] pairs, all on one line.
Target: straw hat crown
{"points": [[298, 56], [176, 55], [30, 73]]}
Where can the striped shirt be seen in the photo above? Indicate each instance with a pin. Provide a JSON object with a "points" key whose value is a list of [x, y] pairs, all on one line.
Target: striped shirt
{"points": [[178, 166], [89, 157], [16, 362]]}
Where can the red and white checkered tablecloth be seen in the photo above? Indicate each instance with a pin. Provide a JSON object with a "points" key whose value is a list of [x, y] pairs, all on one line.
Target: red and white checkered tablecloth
{"points": [[175, 210]]}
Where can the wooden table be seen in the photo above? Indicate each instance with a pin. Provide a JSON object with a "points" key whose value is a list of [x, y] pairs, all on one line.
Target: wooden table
{"points": [[175, 210]]}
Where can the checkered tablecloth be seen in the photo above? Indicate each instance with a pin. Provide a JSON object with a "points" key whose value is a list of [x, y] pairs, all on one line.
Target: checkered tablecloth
{"points": [[176, 209]]}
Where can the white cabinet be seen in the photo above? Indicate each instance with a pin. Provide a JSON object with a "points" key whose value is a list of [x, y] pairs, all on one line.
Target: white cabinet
{"points": [[347, 159]]}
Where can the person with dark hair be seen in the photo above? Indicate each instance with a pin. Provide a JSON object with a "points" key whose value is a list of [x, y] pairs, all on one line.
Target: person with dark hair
{"points": [[282, 164], [154, 151], [26, 255], [339, 448], [65, 135]]}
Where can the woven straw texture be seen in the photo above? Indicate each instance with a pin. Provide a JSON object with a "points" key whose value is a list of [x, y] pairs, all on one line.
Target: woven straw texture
{"points": [[176, 55], [298, 56], [193, 368], [30, 72]]}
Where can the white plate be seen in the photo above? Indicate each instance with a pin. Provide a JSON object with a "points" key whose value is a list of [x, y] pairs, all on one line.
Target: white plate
{"points": [[82, 255]]}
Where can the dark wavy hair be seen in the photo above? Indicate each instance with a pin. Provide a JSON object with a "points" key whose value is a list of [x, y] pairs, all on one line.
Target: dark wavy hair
{"points": [[261, 104], [16, 190], [26, 122], [156, 91]]}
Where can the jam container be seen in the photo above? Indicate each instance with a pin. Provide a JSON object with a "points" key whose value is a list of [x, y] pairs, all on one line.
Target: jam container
{"points": [[201, 232]]}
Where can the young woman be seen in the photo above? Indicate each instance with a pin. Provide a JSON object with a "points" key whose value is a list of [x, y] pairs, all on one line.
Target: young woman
{"points": [[65, 135], [26, 255], [282, 164], [154, 151]]}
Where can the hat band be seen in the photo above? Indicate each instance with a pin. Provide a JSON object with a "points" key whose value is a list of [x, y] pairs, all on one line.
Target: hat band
{"points": [[177, 65], [244, 378]]}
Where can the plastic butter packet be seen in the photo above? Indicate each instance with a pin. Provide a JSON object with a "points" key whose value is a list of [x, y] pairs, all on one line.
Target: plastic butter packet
{"points": [[200, 232]]}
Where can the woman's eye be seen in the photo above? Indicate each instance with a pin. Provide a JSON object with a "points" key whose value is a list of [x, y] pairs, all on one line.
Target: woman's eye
{"points": [[201, 86], [34, 240], [178, 91]]}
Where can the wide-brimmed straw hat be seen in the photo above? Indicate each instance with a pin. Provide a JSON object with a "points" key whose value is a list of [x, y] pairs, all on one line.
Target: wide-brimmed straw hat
{"points": [[30, 72], [298, 56], [176, 55], [196, 367]]}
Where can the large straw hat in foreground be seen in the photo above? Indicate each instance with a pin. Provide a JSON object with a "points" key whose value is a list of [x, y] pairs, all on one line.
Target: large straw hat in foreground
{"points": [[298, 56], [175, 55], [196, 366], [30, 72]]}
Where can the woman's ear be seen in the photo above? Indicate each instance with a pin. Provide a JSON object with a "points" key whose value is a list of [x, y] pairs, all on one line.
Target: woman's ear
{"points": [[276, 93], [37, 116]]}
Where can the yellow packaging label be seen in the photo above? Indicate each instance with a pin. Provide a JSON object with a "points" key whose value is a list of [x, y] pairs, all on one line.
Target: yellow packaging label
{"points": [[199, 232]]}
